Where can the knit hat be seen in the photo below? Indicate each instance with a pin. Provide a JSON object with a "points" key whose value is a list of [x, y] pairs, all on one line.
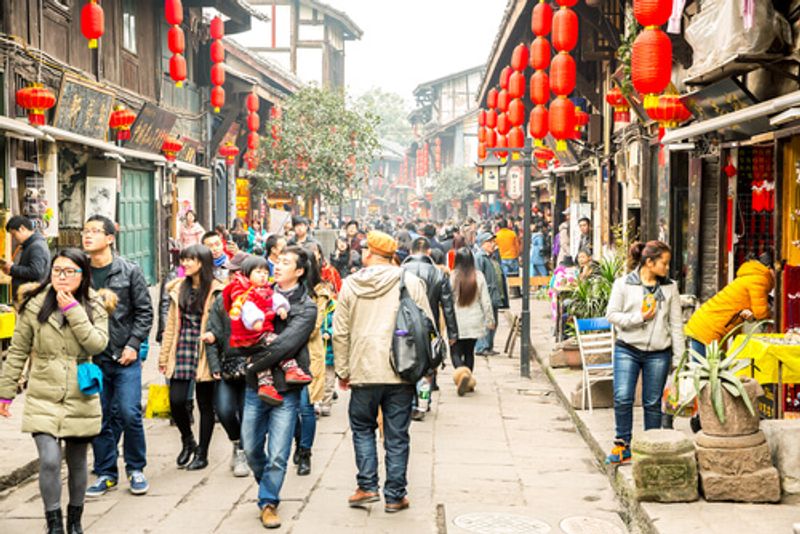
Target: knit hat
{"points": [[381, 244]]}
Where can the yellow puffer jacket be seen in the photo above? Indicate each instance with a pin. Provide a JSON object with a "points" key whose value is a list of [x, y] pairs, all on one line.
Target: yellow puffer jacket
{"points": [[720, 314]]}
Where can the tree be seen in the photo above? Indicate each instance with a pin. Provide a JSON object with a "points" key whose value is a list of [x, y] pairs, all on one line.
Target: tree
{"points": [[317, 146], [393, 114], [454, 183]]}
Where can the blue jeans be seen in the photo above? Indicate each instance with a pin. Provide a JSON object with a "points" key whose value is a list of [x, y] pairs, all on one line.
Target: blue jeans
{"points": [[229, 405], [307, 422], [487, 342], [258, 420], [538, 269], [121, 401], [395, 403], [698, 347], [654, 368], [510, 267]]}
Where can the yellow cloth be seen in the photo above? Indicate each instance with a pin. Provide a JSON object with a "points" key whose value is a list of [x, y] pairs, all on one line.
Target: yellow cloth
{"points": [[766, 356], [507, 244], [719, 315]]}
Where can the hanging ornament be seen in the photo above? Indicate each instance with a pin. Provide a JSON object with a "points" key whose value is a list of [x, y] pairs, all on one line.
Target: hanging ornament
{"points": [[538, 125], [491, 138], [540, 87], [217, 51], [120, 121], [229, 151], [540, 53], [541, 18], [170, 147], [177, 69], [437, 155], [482, 117], [565, 29], [505, 75], [516, 85], [516, 112], [92, 22], [217, 98], [217, 54], [616, 99], [217, 28], [36, 99], [176, 40], [670, 112], [652, 12], [516, 137], [519, 58], [503, 124], [173, 12], [252, 103], [562, 74], [503, 100], [482, 134], [252, 141], [218, 74], [502, 142], [491, 98], [491, 118], [562, 121], [651, 55]]}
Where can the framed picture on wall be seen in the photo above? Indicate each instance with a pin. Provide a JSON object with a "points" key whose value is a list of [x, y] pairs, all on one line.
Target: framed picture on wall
{"points": [[101, 197]]}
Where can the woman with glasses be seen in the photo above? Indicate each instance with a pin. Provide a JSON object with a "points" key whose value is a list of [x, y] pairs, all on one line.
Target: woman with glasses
{"points": [[62, 323]]}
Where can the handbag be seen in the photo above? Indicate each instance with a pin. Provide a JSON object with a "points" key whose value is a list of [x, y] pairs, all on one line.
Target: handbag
{"points": [[158, 401], [90, 378]]}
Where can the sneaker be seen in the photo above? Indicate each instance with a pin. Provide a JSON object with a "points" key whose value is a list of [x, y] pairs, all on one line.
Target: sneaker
{"points": [[240, 467], [297, 377], [270, 395], [362, 497], [418, 415], [392, 507], [139, 484], [620, 453], [101, 486]]}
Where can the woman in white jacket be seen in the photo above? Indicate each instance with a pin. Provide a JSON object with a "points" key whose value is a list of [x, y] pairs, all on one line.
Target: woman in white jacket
{"points": [[473, 314], [645, 310]]}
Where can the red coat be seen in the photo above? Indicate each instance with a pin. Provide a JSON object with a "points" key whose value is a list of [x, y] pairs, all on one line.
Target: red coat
{"points": [[238, 291]]}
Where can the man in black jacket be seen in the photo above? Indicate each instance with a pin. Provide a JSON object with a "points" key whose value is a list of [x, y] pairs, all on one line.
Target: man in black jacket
{"points": [[260, 419], [128, 326], [34, 258]]}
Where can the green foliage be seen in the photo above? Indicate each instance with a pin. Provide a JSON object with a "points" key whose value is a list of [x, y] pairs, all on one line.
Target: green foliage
{"points": [[392, 111], [454, 183], [589, 298], [323, 147], [624, 54]]}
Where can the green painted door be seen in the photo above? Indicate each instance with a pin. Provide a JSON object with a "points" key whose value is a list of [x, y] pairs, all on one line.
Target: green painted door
{"points": [[137, 221]]}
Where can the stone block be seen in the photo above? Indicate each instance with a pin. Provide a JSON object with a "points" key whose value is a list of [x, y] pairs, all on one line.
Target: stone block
{"points": [[664, 466], [558, 359], [734, 461], [738, 420], [783, 437], [759, 486]]}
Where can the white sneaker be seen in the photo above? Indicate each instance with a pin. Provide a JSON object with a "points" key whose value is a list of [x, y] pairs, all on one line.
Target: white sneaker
{"points": [[240, 468], [233, 454]]}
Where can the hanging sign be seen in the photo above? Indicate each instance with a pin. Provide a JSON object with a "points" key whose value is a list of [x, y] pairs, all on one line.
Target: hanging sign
{"points": [[83, 108], [514, 182], [491, 179]]}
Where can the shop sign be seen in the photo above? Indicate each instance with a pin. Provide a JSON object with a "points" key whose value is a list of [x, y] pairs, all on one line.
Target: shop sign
{"points": [[83, 108], [491, 179], [190, 149], [722, 98], [152, 125], [514, 182]]}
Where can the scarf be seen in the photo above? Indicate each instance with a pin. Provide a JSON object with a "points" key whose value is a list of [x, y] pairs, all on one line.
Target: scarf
{"points": [[220, 262], [635, 279]]}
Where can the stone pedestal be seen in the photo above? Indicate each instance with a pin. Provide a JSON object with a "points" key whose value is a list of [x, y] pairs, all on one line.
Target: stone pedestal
{"points": [[737, 468], [738, 420], [664, 466], [783, 438]]}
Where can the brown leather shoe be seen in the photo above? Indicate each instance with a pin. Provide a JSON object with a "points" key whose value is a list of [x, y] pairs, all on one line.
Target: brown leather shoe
{"points": [[393, 507], [362, 497], [269, 517]]}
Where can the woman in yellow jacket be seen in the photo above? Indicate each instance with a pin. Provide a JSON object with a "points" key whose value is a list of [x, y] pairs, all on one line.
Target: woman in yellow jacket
{"points": [[743, 299]]}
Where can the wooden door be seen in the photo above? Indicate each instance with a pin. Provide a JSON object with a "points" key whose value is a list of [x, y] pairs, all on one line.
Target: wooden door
{"points": [[137, 221]]}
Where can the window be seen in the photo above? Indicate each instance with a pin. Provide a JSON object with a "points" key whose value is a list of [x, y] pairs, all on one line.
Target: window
{"points": [[129, 25]]}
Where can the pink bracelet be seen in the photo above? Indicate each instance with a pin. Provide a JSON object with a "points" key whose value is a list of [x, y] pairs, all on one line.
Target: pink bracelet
{"points": [[69, 306]]}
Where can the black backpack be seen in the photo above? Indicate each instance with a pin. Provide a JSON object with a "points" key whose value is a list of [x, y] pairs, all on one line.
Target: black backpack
{"points": [[416, 345]]}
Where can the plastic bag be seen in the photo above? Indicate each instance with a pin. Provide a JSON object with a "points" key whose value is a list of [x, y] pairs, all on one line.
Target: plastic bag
{"points": [[676, 394], [718, 32], [158, 402]]}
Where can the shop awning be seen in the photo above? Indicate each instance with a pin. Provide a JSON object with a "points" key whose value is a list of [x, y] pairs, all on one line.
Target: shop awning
{"points": [[64, 135], [770, 107], [188, 168], [17, 128]]}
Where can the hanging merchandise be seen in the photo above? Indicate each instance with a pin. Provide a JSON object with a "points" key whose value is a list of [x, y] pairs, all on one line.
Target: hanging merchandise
{"points": [[36, 99], [622, 110], [92, 22], [217, 53], [562, 74], [120, 121], [651, 56]]}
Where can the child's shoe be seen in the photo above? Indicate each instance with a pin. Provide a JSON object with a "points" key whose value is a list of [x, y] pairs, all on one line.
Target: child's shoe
{"points": [[297, 377], [620, 453], [270, 395]]}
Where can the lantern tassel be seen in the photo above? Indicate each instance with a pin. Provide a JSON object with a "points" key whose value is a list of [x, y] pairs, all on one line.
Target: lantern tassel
{"points": [[538, 142], [92, 43], [561, 145], [650, 101], [216, 110], [179, 84]]}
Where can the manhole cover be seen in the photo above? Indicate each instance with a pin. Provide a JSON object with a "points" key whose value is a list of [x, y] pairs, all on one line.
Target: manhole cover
{"points": [[500, 523], [588, 525]]}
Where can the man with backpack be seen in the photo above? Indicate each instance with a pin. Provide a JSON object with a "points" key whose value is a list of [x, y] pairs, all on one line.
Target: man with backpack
{"points": [[364, 330]]}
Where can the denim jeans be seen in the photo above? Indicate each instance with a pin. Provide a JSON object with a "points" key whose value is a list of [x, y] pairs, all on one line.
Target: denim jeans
{"points": [[306, 427], [395, 403], [698, 346], [538, 269], [121, 401], [654, 368], [510, 267], [229, 405], [487, 342], [259, 420]]}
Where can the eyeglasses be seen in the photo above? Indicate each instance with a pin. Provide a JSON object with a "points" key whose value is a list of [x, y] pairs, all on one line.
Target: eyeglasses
{"points": [[69, 272], [92, 231]]}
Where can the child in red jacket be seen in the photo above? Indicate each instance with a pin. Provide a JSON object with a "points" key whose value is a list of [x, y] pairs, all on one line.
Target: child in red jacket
{"points": [[252, 306]]}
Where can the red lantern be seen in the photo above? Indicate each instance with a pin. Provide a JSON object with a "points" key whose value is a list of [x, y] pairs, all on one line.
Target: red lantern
{"points": [[519, 58], [516, 112], [543, 155], [217, 28], [540, 87], [503, 124], [491, 98], [482, 134], [229, 151], [171, 147], [252, 102], [482, 117], [516, 85], [540, 53], [539, 125], [173, 12], [217, 52], [176, 40], [516, 137], [253, 122], [581, 120], [252, 141], [503, 100], [36, 99], [120, 121], [651, 64], [177, 69], [218, 74], [491, 118], [92, 22], [491, 138], [565, 30], [652, 12], [217, 98], [542, 18], [669, 113], [616, 99], [562, 121], [505, 74], [562, 74], [502, 142], [566, 3]]}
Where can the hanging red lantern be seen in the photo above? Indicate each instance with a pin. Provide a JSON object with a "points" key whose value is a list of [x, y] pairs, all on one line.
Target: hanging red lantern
{"points": [[92, 22], [581, 120], [482, 134], [36, 99], [505, 75], [652, 12], [565, 30], [437, 155], [491, 118], [669, 113], [170, 147], [491, 138], [516, 85], [120, 121], [251, 160], [651, 64], [503, 124], [616, 99], [491, 98], [252, 103], [540, 53], [562, 121], [229, 151], [538, 125], [177, 69], [566, 3], [519, 57], [217, 98], [562, 74], [252, 141], [541, 18], [176, 40], [516, 137], [502, 142], [503, 100], [516, 112], [218, 74], [482, 117], [217, 28], [173, 12], [540, 87], [253, 122], [217, 51]]}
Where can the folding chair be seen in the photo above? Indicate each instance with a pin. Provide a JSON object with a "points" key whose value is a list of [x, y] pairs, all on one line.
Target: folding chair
{"points": [[595, 338]]}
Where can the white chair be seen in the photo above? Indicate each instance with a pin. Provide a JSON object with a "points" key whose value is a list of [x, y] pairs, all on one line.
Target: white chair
{"points": [[595, 338]]}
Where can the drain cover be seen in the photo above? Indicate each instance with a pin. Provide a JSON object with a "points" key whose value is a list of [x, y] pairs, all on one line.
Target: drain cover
{"points": [[588, 525], [500, 523]]}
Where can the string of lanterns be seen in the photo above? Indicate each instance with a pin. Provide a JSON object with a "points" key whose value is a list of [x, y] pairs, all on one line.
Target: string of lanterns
{"points": [[176, 41], [516, 90], [562, 74], [541, 23], [253, 124], [92, 22], [217, 68]]}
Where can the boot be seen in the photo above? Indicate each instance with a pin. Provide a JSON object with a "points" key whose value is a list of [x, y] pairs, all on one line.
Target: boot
{"points": [[304, 465], [188, 450], [461, 378], [200, 460], [74, 514], [472, 383], [190, 409], [55, 522]]}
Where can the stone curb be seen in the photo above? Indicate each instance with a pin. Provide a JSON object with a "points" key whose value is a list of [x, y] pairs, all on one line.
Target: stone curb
{"points": [[18, 476]]}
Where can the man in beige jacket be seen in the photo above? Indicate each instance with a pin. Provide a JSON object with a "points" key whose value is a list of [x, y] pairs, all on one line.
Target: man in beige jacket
{"points": [[363, 327]]}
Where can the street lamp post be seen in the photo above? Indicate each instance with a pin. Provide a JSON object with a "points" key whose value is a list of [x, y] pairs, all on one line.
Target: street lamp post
{"points": [[491, 166]]}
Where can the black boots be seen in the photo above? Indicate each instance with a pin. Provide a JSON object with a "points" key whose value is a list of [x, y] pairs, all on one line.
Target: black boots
{"points": [[200, 460], [303, 462], [74, 514], [188, 450], [55, 522]]}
